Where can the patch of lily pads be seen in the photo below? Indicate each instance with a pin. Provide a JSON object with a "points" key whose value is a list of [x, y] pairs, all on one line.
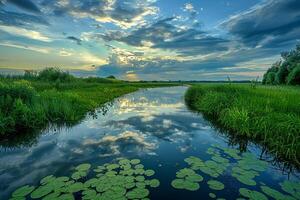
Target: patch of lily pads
{"points": [[244, 167], [126, 179], [187, 179]]}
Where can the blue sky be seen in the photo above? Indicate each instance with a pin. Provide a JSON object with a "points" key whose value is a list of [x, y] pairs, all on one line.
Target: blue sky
{"points": [[148, 39]]}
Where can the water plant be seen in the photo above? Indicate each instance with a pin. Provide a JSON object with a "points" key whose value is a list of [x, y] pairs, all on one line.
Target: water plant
{"points": [[267, 115], [107, 181]]}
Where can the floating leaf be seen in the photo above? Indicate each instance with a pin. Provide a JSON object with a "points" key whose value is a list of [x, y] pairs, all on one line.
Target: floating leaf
{"points": [[154, 183], [275, 194], [23, 191], [41, 191], [112, 166], [184, 184], [215, 185], [124, 162], [135, 161], [83, 167], [140, 178], [291, 187], [212, 195], [47, 179], [52, 196], [194, 178], [252, 195], [137, 193], [149, 172], [76, 187]]}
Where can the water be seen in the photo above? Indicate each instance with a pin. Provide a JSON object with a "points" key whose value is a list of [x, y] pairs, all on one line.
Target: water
{"points": [[153, 125]]}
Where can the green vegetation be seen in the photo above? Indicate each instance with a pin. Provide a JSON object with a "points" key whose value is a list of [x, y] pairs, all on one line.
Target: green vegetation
{"points": [[268, 115], [109, 181], [35, 100], [285, 71], [244, 167]]}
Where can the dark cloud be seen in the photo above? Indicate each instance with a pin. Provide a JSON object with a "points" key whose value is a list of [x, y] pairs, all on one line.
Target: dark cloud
{"points": [[20, 19], [26, 5], [165, 35], [75, 39], [119, 12], [273, 23]]}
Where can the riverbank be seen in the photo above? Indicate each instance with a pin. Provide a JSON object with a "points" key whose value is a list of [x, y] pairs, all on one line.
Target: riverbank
{"points": [[33, 104], [269, 116]]}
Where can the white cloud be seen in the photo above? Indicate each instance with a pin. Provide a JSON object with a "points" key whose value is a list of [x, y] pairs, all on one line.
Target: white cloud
{"points": [[34, 35], [20, 46]]}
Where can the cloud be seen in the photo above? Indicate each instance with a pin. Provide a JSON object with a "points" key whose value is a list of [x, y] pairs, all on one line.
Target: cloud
{"points": [[20, 19], [124, 14], [273, 23], [26, 5], [33, 35], [127, 141], [21, 46], [188, 7], [164, 34], [75, 39]]}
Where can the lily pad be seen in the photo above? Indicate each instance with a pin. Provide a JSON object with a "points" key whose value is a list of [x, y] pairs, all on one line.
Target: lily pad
{"points": [[275, 194], [135, 161], [83, 167], [23, 191], [41, 191], [291, 187], [112, 167], [212, 195], [137, 193], [215, 185], [149, 172], [252, 195], [184, 184], [154, 183]]}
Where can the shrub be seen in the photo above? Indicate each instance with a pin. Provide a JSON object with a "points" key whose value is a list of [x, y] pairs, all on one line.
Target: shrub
{"points": [[270, 78], [286, 70], [55, 74], [281, 75], [294, 76]]}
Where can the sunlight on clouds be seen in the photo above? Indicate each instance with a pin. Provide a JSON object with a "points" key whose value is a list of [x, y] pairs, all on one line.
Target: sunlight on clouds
{"points": [[31, 48], [34, 35], [131, 76], [65, 53]]}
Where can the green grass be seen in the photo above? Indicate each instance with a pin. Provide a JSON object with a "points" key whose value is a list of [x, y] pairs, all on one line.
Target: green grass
{"points": [[34, 104], [268, 115]]}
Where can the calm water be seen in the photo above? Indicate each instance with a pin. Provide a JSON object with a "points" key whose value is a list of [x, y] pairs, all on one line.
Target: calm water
{"points": [[153, 125]]}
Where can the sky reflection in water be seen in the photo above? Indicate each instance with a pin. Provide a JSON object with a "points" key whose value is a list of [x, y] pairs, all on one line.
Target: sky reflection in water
{"points": [[153, 125]]}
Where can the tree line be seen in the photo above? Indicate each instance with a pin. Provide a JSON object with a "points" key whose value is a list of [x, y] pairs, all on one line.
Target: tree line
{"points": [[286, 70]]}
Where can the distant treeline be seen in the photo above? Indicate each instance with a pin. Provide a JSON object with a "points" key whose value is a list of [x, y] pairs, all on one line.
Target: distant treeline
{"points": [[285, 71], [56, 75]]}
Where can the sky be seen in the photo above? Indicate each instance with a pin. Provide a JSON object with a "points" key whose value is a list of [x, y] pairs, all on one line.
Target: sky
{"points": [[148, 39]]}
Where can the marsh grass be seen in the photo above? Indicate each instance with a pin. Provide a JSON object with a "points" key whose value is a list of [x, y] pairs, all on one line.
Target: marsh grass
{"points": [[270, 115], [34, 102]]}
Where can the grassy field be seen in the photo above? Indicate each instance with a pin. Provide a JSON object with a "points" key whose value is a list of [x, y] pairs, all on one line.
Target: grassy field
{"points": [[269, 115], [32, 103]]}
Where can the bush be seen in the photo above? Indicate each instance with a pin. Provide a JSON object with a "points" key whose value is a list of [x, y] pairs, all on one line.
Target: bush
{"points": [[281, 75], [55, 75], [270, 79], [294, 76], [286, 70]]}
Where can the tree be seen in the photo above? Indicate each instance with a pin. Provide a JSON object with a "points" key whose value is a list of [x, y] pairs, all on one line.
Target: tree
{"points": [[281, 75], [294, 76], [270, 79], [286, 70]]}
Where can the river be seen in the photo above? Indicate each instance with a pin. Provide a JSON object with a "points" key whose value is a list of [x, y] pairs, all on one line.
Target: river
{"points": [[155, 126]]}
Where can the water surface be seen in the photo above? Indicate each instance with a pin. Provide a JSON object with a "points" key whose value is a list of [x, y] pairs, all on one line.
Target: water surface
{"points": [[153, 125]]}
